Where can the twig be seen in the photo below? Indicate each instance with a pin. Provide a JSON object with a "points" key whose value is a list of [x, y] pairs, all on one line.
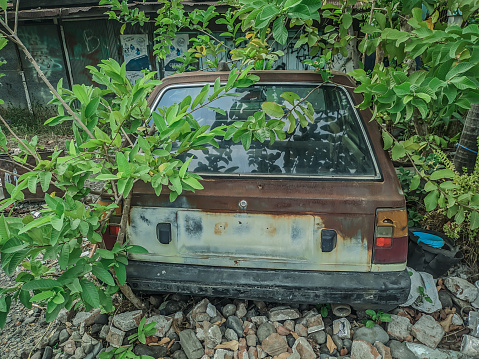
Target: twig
{"points": [[124, 217], [369, 22], [214, 38], [18, 139], [15, 26], [39, 340]]}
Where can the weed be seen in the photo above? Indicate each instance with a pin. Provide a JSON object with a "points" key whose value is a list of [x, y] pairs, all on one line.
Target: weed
{"points": [[377, 317]]}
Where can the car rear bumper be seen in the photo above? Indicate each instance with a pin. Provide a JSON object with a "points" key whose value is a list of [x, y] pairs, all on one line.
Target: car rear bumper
{"points": [[389, 288]]}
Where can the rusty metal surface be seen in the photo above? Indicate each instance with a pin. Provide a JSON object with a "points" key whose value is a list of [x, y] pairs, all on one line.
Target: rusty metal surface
{"points": [[251, 240], [8, 165], [272, 205]]}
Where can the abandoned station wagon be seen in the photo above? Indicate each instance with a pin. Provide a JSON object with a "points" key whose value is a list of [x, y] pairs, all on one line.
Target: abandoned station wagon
{"points": [[316, 218]]}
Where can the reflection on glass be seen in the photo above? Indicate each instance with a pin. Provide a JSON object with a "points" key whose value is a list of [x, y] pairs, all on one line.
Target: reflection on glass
{"points": [[333, 145]]}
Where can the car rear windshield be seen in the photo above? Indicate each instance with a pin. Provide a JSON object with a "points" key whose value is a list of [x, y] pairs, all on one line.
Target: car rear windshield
{"points": [[334, 145]]}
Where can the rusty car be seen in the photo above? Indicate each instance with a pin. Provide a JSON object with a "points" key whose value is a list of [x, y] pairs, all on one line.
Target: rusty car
{"points": [[318, 217]]}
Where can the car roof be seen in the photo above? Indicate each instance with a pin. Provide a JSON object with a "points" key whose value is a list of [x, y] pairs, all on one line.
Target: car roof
{"points": [[280, 76]]}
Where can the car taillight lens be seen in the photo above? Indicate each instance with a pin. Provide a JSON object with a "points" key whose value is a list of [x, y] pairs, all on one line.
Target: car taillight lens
{"points": [[111, 233], [391, 236]]}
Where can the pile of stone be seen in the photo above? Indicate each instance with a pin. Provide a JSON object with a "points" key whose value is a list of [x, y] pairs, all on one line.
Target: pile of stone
{"points": [[234, 329]]}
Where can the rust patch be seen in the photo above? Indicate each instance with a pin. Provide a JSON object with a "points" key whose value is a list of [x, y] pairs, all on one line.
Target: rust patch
{"points": [[271, 230], [220, 228]]}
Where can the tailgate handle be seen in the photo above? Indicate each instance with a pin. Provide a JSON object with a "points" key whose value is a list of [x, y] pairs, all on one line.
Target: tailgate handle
{"points": [[163, 232], [328, 240]]}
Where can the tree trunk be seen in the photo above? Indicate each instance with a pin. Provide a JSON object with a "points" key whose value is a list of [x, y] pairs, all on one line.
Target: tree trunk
{"points": [[466, 153]]}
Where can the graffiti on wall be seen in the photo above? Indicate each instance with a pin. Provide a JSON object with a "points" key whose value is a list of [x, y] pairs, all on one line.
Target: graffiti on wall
{"points": [[178, 47]]}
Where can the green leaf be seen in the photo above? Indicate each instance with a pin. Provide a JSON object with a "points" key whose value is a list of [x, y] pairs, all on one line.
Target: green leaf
{"points": [[102, 274], [64, 256], [136, 249], [120, 271], [42, 283], [176, 182], [347, 21], [92, 107], [24, 297], [388, 140], [280, 33], [123, 165], [398, 151], [444, 173], [45, 178], [35, 224], [106, 177], [474, 220], [183, 168], [3, 4], [193, 182], [431, 200], [272, 109], [89, 293], [42, 295], [415, 181], [80, 93]]}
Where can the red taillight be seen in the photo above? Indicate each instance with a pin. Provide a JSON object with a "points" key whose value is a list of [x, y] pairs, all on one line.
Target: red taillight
{"points": [[391, 236], [384, 242], [114, 230]]}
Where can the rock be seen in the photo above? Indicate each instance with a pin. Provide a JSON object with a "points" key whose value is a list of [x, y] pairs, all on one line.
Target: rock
{"points": [[155, 301], [47, 353], [371, 335], [445, 299], [163, 324], [54, 338], [101, 319], [289, 324], [230, 335], [303, 348], [115, 337], [400, 350], [315, 324], [104, 331], [383, 350], [337, 341], [190, 344], [96, 328], [179, 354], [264, 331], [461, 288], [63, 336], [241, 310], [229, 310], [156, 351], [399, 328], [79, 354], [301, 330], [69, 347], [428, 331], [86, 317], [214, 336], [319, 337], [222, 354], [233, 322], [274, 344], [342, 328], [128, 320], [37, 355], [258, 320], [276, 315], [290, 340], [211, 310], [252, 353], [198, 309], [348, 343], [251, 340], [364, 350], [422, 351]]}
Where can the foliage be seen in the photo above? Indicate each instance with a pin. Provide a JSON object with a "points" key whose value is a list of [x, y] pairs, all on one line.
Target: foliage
{"points": [[117, 141], [377, 317], [413, 197]]}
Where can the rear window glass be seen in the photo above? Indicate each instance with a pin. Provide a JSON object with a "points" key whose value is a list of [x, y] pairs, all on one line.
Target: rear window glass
{"points": [[334, 145]]}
